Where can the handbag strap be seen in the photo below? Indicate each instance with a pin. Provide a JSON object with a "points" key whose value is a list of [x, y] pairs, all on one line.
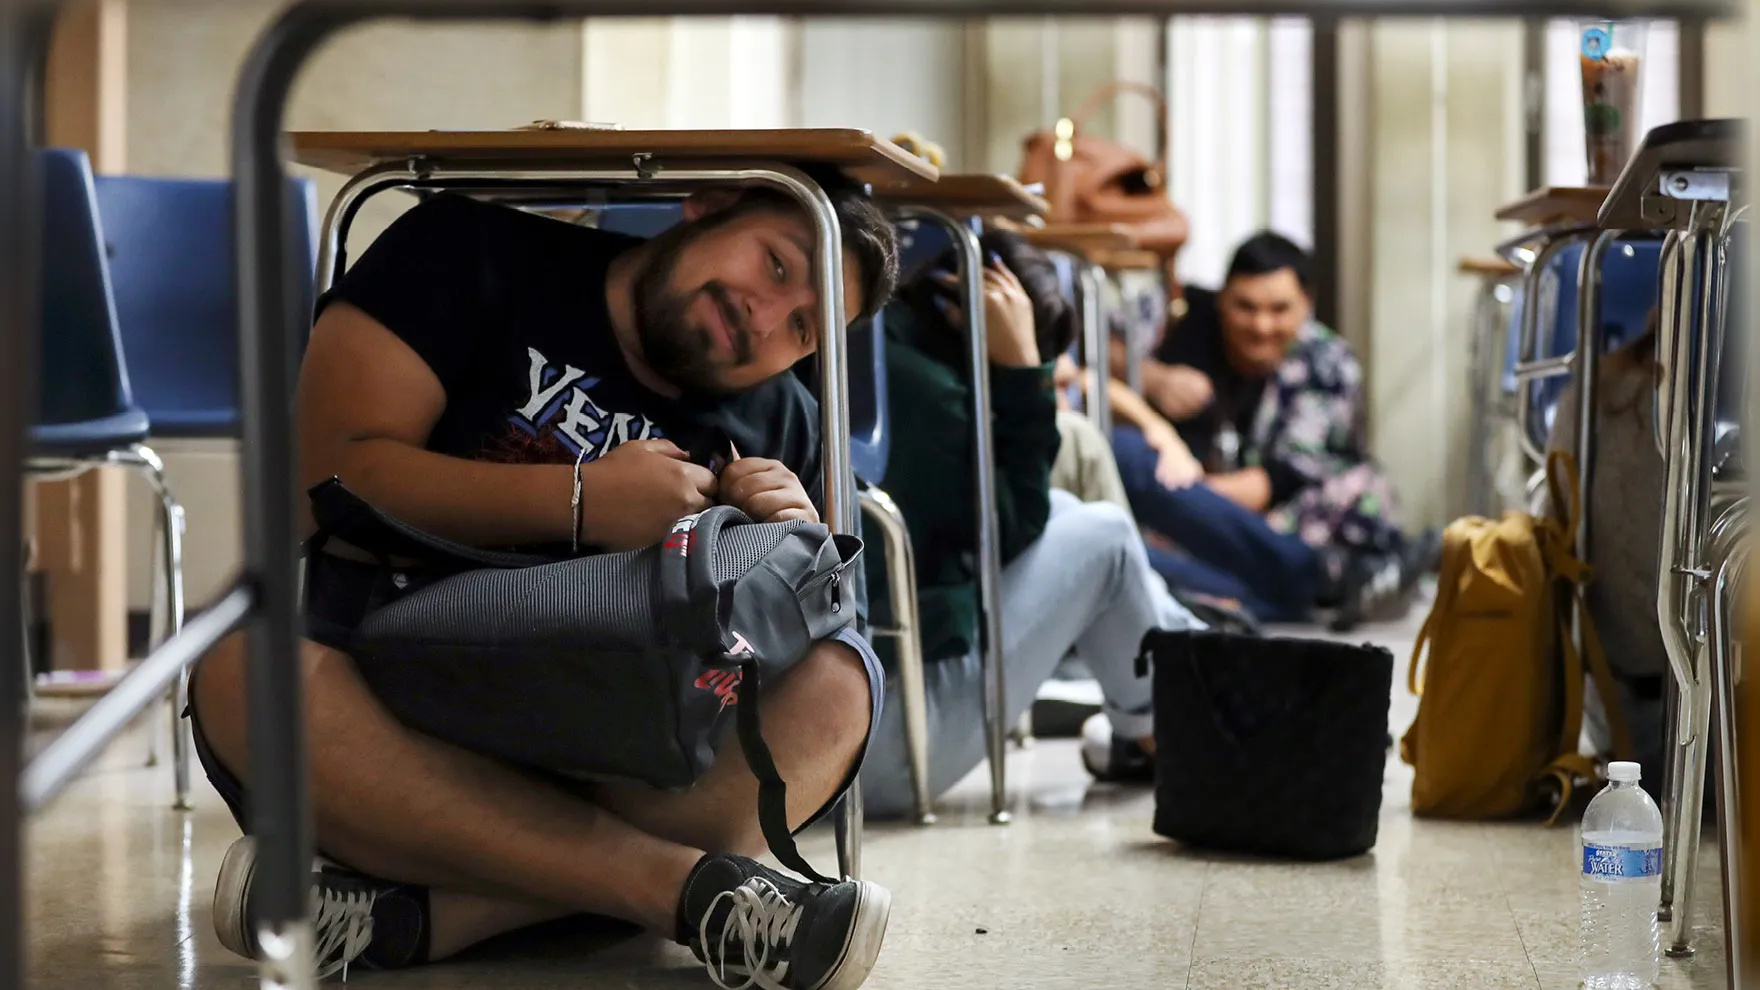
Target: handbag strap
{"points": [[1113, 89], [772, 789], [1573, 575], [340, 513]]}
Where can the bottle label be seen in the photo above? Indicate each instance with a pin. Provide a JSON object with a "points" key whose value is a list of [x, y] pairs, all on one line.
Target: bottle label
{"points": [[1621, 862]]}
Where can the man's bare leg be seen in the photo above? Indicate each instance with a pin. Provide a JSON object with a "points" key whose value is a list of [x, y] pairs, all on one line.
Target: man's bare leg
{"points": [[500, 850], [815, 721]]}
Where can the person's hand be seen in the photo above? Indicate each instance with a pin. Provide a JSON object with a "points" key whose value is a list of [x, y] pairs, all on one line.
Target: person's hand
{"points": [[765, 490], [1178, 391], [1176, 468], [1064, 373], [631, 497], [1008, 317]]}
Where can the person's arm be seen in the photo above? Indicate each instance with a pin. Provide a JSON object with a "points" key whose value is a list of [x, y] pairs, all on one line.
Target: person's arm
{"points": [[1177, 391], [365, 405], [394, 337], [1249, 488], [1176, 467]]}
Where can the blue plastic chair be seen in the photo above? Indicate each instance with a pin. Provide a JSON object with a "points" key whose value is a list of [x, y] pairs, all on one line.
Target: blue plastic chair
{"points": [[172, 266], [87, 415], [1629, 284]]}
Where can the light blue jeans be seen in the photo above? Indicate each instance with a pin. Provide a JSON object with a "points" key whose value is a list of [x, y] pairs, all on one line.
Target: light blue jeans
{"points": [[1085, 586]]}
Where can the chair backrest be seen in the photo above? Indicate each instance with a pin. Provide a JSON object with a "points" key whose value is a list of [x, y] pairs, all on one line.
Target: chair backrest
{"points": [[80, 371], [172, 261], [870, 441], [1629, 286]]}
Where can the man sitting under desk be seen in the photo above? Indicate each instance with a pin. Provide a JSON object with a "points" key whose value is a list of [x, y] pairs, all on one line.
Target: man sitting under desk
{"points": [[454, 377], [1281, 506]]}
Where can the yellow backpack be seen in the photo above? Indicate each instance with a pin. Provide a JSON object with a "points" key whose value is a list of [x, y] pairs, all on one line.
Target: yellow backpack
{"points": [[1501, 692]]}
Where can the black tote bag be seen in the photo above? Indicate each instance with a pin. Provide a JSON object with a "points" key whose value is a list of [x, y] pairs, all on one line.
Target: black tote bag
{"points": [[1271, 746]]}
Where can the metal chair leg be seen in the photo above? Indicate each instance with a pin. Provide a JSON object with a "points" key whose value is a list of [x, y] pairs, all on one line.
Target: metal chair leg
{"points": [[1671, 772], [1729, 579], [848, 830], [171, 531], [901, 578], [1688, 807]]}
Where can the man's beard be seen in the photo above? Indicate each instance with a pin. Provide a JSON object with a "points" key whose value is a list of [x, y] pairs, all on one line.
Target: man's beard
{"points": [[672, 347]]}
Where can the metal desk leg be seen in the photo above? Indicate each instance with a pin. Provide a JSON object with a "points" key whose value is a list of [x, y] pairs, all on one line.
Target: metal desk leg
{"points": [[971, 265], [1096, 350], [23, 43], [280, 808], [1693, 327]]}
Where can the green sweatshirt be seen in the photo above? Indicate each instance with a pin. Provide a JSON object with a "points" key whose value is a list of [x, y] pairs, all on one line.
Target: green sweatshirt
{"points": [[930, 473]]}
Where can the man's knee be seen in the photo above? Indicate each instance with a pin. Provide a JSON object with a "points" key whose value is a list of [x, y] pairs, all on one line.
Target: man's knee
{"points": [[828, 692], [219, 697]]}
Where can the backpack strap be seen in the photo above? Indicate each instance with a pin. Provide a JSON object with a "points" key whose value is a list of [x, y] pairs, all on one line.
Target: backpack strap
{"points": [[1447, 589], [1570, 575], [343, 514], [772, 791]]}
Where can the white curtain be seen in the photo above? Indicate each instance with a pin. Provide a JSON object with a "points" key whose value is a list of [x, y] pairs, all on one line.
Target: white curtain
{"points": [[1239, 101]]}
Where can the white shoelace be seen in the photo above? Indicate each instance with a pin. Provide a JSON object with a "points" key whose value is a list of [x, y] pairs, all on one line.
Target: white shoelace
{"points": [[343, 927], [764, 919]]}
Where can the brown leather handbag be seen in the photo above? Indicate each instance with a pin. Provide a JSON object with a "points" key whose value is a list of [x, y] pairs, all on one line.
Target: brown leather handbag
{"points": [[1092, 179]]}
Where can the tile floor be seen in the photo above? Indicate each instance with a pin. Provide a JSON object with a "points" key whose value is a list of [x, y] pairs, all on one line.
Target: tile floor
{"points": [[1076, 894]]}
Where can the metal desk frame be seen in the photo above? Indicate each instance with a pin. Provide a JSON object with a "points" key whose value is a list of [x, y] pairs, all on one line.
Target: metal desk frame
{"points": [[1704, 532], [989, 549]]}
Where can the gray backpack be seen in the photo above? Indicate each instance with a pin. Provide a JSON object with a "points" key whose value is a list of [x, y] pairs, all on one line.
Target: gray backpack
{"points": [[661, 650]]}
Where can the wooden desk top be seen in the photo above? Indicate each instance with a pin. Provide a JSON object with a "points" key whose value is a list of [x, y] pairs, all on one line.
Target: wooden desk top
{"points": [[1083, 238], [970, 194], [1125, 259], [1488, 266], [858, 154], [1556, 204]]}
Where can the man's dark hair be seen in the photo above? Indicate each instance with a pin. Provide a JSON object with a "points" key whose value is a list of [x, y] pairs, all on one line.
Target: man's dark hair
{"points": [[1054, 316], [866, 232], [1265, 252]]}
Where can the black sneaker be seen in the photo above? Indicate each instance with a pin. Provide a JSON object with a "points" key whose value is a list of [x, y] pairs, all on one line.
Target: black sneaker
{"points": [[1377, 586], [356, 919], [755, 927]]}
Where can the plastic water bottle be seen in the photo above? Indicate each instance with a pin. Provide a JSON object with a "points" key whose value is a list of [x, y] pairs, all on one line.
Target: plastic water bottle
{"points": [[1620, 941]]}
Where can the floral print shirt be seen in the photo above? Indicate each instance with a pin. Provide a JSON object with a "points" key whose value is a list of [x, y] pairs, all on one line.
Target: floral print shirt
{"points": [[1308, 435]]}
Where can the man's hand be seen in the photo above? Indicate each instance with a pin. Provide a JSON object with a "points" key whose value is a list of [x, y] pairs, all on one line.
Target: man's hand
{"points": [[1177, 391], [631, 497], [766, 490], [1176, 468]]}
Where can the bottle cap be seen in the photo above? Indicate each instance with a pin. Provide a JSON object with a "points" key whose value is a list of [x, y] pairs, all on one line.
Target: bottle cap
{"points": [[1624, 772]]}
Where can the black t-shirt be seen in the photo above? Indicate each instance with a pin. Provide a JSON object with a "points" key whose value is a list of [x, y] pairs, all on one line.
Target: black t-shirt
{"points": [[1196, 341], [509, 310]]}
